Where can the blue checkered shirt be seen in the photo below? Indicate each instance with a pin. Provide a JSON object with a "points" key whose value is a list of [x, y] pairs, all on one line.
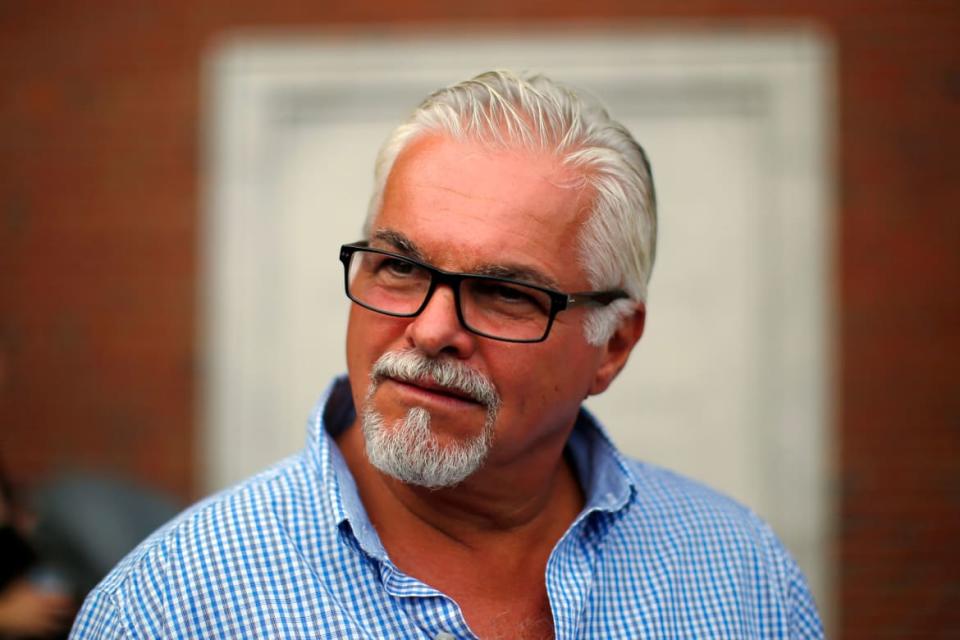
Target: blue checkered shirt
{"points": [[291, 553]]}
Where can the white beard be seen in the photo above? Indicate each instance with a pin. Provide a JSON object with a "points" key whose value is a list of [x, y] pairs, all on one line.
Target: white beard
{"points": [[409, 450]]}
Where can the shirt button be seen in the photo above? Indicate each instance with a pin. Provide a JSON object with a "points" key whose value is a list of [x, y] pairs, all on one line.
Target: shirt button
{"points": [[443, 635]]}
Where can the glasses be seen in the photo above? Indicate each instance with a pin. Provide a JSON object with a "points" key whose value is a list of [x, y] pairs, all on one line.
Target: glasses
{"points": [[498, 308]]}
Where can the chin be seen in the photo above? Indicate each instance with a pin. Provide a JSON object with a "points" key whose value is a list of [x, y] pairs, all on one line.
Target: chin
{"points": [[409, 450]]}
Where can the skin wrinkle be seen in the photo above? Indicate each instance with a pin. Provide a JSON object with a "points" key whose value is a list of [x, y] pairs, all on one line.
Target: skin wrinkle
{"points": [[408, 449], [523, 273], [530, 116], [517, 272], [465, 195], [481, 525], [563, 176], [503, 526], [479, 233], [522, 498]]}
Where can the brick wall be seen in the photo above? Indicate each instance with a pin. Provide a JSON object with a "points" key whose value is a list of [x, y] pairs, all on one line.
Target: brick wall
{"points": [[99, 205]]}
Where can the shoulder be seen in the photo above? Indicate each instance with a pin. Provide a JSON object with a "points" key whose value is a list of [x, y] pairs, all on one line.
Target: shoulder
{"points": [[709, 548], [669, 499], [241, 517], [687, 518], [221, 549]]}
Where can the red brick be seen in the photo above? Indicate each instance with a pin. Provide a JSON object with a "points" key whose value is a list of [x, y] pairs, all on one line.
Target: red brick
{"points": [[99, 147]]}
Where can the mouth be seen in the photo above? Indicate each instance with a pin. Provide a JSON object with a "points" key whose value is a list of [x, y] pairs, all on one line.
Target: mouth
{"points": [[427, 387]]}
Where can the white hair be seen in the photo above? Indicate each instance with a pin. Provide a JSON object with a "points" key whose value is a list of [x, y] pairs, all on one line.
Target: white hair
{"points": [[505, 110]]}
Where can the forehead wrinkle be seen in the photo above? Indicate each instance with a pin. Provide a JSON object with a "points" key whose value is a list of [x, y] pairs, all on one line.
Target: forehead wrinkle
{"points": [[463, 194]]}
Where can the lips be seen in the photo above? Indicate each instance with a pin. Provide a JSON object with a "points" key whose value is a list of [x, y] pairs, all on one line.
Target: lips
{"points": [[428, 385]]}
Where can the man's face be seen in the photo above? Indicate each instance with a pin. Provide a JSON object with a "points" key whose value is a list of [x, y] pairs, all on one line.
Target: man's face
{"points": [[466, 208]]}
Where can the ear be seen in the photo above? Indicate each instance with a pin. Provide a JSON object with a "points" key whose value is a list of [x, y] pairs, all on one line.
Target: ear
{"points": [[617, 349]]}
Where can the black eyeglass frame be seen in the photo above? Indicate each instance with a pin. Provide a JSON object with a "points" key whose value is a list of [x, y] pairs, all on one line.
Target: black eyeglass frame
{"points": [[559, 301]]}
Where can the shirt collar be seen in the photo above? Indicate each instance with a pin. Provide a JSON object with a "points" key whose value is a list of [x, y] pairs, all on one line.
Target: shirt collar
{"points": [[334, 413], [607, 480]]}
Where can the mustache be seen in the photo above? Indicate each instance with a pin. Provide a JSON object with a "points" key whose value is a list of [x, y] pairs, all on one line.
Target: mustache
{"points": [[413, 367]]}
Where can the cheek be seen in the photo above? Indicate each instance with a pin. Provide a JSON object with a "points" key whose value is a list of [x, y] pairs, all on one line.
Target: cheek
{"points": [[544, 379], [370, 333], [363, 348], [356, 369], [355, 340]]}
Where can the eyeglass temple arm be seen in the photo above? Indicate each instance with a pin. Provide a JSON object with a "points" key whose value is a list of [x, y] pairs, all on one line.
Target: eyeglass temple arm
{"points": [[595, 298]]}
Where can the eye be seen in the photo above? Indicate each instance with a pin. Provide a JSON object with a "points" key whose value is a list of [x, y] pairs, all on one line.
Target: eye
{"points": [[511, 294], [396, 267], [509, 298]]}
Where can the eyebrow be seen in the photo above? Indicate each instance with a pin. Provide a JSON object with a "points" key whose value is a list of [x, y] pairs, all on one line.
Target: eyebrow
{"points": [[517, 272], [400, 242], [522, 273]]}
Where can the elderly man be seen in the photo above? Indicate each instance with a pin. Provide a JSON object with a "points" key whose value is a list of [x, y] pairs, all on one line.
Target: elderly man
{"points": [[452, 486]]}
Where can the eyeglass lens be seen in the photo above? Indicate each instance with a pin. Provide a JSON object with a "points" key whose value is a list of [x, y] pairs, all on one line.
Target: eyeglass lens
{"points": [[489, 306]]}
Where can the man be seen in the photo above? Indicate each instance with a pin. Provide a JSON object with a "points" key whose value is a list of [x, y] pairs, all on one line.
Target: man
{"points": [[452, 486]]}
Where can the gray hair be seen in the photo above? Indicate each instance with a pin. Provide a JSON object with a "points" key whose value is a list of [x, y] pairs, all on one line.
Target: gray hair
{"points": [[505, 110]]}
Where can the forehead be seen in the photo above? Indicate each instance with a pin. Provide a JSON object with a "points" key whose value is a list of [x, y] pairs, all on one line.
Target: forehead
{"points": [[464, 205]]}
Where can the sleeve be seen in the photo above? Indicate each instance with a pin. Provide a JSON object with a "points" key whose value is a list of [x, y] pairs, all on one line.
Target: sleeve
{"points": [[803, 618], [98, 618], [799, 610]]}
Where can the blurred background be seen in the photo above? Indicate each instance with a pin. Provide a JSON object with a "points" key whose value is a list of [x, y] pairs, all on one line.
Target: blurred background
{"points": [[174, 175]]}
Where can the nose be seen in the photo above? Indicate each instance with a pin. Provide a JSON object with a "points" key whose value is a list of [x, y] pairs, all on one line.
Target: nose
{"points": [[437, 330]]}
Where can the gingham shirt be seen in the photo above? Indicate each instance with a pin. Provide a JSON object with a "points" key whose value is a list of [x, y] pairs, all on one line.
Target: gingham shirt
{"points": [[291, 553]]}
